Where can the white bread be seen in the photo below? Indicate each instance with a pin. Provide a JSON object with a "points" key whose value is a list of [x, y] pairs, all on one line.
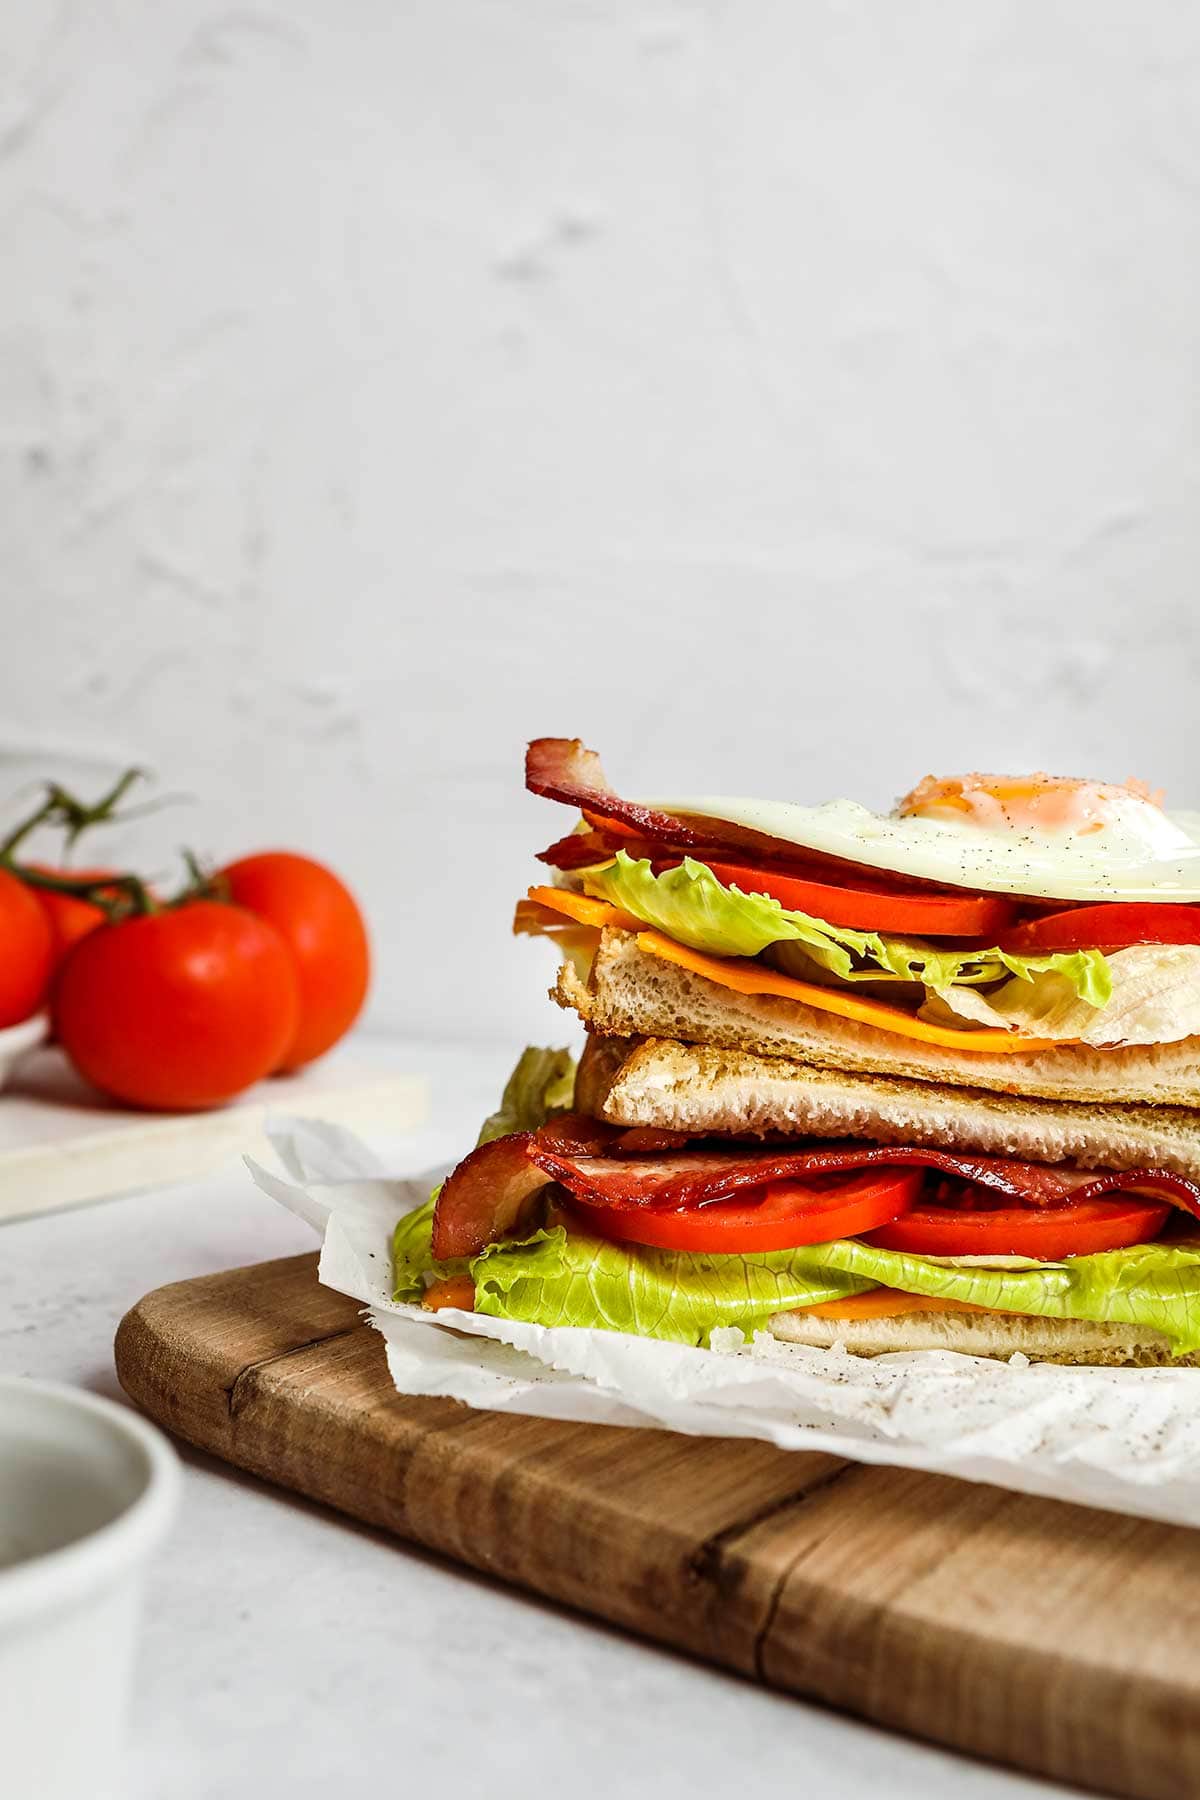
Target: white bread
{"points": [[701, 1090], [986, 1334], [632, 994], [601, 1063]]}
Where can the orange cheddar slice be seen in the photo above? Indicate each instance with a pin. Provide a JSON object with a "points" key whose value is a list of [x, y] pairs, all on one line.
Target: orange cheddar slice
{"points": [[454, 1290], [743, 976], [887, 1303], [583, 909]]}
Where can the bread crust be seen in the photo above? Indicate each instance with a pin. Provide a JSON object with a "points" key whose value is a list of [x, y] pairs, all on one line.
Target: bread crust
{"points": [[708, 1091], [632, 994], [1079, 1342]]}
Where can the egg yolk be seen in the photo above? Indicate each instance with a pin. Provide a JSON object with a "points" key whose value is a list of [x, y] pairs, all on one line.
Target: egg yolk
{"points": [[1039, 803]]}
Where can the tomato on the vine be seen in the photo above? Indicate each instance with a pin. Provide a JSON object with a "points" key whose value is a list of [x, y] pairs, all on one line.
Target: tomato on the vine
{"points": [[319, 920], [180, 1008], [26, 951], [70, 916]]}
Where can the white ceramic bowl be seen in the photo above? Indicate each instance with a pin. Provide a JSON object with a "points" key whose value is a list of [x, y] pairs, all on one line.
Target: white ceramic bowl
{"points": [[87, 1491], [15, 1040]]}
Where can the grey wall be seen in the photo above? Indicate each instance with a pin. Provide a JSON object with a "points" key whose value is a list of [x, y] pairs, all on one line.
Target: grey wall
{"points": [[784, 397]]}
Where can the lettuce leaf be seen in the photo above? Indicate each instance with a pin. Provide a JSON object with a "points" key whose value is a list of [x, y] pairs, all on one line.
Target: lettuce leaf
{"points": [[412, 1257], [558, 1276], [1155, 1000], [689, 904], [566, 1276], [561, 1274], [1155, 1285], [541, 1084]]}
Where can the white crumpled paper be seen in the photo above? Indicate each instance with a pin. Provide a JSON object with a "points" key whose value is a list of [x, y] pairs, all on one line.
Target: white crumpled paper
{"points": [[1124, 1439]]}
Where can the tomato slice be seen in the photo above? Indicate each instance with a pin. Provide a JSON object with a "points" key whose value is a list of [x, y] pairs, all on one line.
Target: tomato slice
{"points": [[779, 1216], [1112, 926], [1046, 1232], [875, 908]]}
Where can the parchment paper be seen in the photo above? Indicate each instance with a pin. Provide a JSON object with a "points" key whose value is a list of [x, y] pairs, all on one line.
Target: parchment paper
{"points": [[1124, 1439]]}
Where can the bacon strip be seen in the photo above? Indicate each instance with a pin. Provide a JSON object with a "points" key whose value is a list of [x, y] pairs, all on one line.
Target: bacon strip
{"points": [[563, 769], [699, 1177], [486, 1197], [490, 1194], [580, 849]]}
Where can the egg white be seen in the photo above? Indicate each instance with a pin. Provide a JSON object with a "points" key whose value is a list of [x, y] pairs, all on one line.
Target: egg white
{"points": [[1145, 855]]}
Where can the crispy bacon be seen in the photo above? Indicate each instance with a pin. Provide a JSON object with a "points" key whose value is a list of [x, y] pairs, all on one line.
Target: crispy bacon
{"points": [[576, 1134], [486, 1197], [491, 1193], [698, 1177], [638, 1140], [580, 849], [562, 769]]}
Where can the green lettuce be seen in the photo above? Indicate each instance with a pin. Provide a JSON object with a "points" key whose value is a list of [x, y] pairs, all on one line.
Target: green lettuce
{"points": [[412, 1257], [689, 904], [561, 1276], [1155, 1285], [542, 1084], [558, 1276]]}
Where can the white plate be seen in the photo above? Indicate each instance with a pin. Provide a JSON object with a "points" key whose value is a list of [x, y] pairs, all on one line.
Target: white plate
{"points": [[15, 1040]]}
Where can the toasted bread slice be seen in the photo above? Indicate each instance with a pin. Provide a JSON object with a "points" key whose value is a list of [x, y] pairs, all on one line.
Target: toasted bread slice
{"points": [[632, 994], [1083, 1341], [702, 1090]]}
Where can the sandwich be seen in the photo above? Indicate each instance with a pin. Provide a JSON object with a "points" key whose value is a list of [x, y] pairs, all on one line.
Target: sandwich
{"points": [[922, 1080]]}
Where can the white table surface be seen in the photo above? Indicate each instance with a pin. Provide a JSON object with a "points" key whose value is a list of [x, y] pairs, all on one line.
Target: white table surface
{"points": [[288, 1651]]}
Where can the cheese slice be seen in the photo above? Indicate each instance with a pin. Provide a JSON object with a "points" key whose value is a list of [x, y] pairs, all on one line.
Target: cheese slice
{"points": [[887, 1303], [583, 909], [743, 976]]}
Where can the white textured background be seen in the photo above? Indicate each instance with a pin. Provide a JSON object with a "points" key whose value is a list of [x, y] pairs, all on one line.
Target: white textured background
{"points": [[792, 397]]}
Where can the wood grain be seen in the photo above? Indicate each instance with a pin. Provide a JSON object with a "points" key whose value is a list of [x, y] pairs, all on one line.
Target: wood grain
{"points": [[1062, 1640]]}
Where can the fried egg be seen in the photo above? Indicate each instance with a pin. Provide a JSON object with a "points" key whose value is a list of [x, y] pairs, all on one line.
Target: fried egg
{"points": [[1048, 836]]}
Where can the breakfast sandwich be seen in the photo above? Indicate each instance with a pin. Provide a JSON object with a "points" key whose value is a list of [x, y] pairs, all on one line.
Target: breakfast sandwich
{"points": [[928, 1079]]}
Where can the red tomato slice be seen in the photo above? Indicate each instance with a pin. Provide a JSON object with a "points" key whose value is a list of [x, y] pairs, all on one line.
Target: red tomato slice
{"points": [[874, 908], [1047, 1232], [780, 1216], [1113, 926]]}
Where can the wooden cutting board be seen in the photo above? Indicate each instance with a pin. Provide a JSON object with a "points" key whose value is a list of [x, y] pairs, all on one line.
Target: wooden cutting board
{"points": [[1060, 1639]]}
